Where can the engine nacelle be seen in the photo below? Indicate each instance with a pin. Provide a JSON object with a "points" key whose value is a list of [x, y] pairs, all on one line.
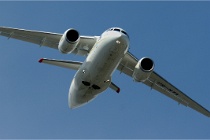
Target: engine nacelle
{"points": [[69, 41], [143, 69]]}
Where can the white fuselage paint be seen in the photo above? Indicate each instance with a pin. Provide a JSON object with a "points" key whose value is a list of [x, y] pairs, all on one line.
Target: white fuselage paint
{"points": [[94, 76]]}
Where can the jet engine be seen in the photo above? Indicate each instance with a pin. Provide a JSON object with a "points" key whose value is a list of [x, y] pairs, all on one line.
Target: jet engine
{"points": [[143, 69], [69, 41]]}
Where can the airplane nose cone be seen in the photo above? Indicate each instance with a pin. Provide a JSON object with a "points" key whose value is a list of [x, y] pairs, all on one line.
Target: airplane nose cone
{"points": [[117, 35], [120, 39]]}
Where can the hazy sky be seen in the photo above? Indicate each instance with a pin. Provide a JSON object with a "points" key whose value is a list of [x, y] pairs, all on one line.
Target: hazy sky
{"points": [[33, 96]]}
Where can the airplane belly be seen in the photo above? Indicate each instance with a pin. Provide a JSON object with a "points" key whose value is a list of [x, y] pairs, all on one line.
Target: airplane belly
{"points": [[104, 59], [94, 76]]}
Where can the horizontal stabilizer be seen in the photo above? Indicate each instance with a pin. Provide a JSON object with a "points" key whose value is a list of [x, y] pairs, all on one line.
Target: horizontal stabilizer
{"points": [[114, 87], [75, 65]]}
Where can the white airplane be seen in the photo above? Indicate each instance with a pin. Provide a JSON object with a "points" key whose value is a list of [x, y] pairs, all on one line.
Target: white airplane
{"points": [[105, 54]]}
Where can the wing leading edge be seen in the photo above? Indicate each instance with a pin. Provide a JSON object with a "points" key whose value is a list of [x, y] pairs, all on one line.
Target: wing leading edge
{"points": [[155, 81]]}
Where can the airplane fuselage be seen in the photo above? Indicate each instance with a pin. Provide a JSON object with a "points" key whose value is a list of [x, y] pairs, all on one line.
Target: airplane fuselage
{"points": [[94, 75]]}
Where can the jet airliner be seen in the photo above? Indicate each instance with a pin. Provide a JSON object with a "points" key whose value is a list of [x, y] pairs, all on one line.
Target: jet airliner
{"points": [[104, 54]]}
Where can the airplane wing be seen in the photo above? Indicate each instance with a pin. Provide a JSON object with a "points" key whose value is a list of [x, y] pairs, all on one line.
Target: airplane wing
{"points": [[48, 39], [155, 81]]}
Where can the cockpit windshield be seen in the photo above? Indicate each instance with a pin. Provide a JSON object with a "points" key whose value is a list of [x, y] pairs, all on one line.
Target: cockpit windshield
{"points": [[118, 30]]}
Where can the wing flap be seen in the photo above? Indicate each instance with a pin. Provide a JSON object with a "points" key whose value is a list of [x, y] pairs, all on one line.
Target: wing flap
{"points": [[75, 65]]}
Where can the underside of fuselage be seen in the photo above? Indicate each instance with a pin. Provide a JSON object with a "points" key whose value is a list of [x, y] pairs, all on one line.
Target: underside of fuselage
{"points": [[94, 76]]}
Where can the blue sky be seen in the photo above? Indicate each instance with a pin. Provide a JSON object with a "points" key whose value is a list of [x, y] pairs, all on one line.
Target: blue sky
{"points": [[33, 96]]}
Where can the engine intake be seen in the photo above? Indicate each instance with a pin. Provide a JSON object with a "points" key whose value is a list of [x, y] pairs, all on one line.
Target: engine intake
{"points": [[69, 41], [143, 69], [146, 64], [72, 35]]}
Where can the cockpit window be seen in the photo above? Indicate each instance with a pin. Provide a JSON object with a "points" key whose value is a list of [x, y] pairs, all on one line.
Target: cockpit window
{"points": [[117, 30], [124, 32]]}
